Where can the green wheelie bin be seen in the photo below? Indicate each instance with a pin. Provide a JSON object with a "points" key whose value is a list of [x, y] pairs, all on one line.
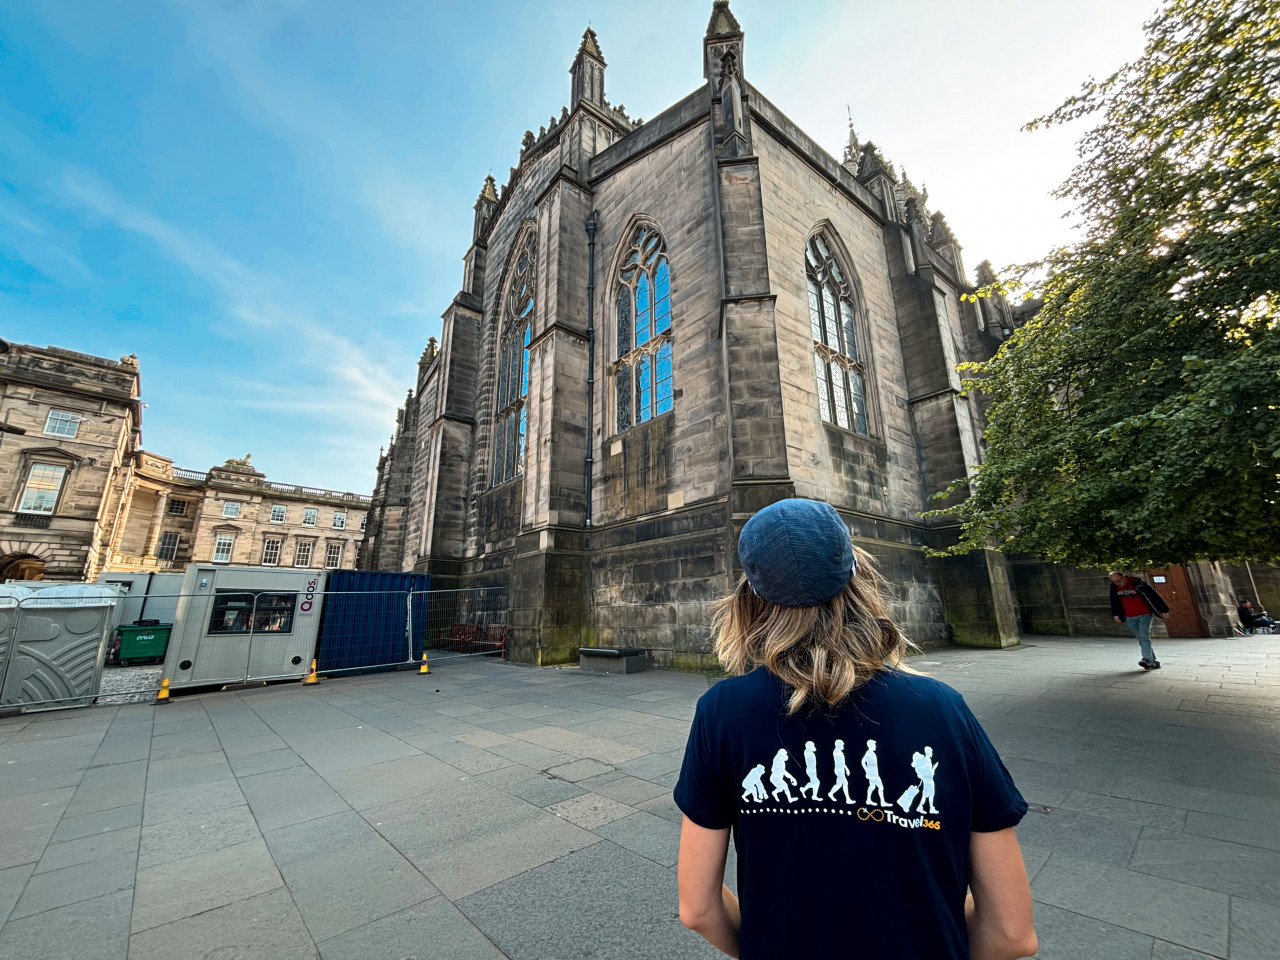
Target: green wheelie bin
{"points": [[143, 644]]}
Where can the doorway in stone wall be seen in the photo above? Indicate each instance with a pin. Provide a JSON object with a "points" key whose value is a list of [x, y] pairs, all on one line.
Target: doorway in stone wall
{"points": [[21, 566], [1174, 586]]}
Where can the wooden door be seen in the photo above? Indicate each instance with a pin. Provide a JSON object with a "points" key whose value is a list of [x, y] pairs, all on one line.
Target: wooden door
{"points": [[1174, 586]]}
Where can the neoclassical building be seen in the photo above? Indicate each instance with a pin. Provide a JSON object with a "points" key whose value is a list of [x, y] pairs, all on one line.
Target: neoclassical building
{"points": [[79, 494], [665, 325]]}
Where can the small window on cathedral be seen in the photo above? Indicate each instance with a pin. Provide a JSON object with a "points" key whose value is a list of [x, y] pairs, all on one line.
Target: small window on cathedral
{"points": [[833, 321], [642, 368], [513, 365]]}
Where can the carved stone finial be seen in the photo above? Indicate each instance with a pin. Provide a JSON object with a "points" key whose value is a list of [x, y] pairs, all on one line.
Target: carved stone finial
{"points": [[590, 46], [852, 148], [489, 191], [871, 164], [527, 142], [723, 23], [915, 210], [985, 273], [939, 232]]}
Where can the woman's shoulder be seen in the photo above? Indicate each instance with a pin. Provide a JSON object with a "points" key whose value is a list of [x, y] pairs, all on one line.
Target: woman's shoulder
{"points": [[907, 684]]}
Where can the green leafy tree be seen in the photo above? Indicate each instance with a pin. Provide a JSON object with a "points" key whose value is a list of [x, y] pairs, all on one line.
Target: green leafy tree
{"points": [[1135, 421]]}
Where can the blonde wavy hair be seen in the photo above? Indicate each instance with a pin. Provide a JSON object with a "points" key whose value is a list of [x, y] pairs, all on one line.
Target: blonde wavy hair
{"points": [[822, 653]]}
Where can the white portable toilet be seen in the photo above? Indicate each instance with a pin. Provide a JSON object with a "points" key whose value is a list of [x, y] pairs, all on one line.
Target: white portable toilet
{"points": [[61, 639], [148, 595], [236, 624]]}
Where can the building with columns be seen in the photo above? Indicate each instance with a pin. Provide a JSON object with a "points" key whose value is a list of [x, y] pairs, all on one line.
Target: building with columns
{"points": [[663, 326], [232, 514], [79, 495]]}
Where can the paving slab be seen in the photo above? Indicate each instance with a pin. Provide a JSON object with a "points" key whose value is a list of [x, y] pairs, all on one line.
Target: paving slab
{"points": [[1187, 915], [262, 927], [432, 930], [96, 929], [343, 873], [475, 836], [285, 797], [183, 888], [1070, 936], [84, 881], [190, 836], [555, 909]]}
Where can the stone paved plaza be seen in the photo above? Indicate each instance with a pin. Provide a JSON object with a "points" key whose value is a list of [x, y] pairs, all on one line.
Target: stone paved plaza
{"points": [[492, 810]]}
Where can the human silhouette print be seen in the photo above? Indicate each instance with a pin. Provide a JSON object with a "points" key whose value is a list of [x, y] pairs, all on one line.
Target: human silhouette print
{"points": [[753, 785], [871, 767], [925, 769], [779, 776], [811, 768], [842, 774]]}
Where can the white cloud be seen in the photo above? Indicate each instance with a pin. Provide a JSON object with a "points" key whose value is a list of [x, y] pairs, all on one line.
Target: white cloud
{"points": [[323, 370]]}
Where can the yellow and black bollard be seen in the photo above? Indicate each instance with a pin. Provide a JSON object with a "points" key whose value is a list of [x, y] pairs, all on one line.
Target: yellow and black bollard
{"points": [[163, 695], [311, 677]]}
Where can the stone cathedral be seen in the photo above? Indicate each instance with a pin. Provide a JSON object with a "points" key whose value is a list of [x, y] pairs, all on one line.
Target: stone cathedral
{"points": [[665, 325]]}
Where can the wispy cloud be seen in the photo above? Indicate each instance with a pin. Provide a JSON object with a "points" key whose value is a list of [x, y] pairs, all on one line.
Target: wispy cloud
{"points": [[350, 148], [38, 247], [333, 374]]}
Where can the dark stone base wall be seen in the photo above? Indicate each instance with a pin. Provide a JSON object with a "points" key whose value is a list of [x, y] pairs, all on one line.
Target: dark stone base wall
{"points": [[653, 581]]}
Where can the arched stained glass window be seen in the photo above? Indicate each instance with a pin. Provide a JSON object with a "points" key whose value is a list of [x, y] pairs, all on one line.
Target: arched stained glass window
{"points": [[516, 320], [642, 369], [833, 321]]}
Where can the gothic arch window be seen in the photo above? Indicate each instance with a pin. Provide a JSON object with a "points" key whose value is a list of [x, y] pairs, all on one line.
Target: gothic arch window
{"points": [[516, 319], [838, 355], [643, 383]]}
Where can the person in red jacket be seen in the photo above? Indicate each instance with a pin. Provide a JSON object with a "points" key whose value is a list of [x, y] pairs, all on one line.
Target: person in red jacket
{"points": [[1134, 602]]}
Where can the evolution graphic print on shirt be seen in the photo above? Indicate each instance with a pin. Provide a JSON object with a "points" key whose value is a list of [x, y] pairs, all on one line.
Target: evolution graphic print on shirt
{"points": [[897, 777], [924, 787]]}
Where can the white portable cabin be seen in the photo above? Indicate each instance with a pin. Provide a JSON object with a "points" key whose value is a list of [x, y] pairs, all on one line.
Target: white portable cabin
{"points": [[236, 624], [57, 638], [147, 595]]}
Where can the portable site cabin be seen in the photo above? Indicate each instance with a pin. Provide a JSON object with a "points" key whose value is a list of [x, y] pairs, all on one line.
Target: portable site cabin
{"points": [[244, 623], [146, 595], [52, 652]]}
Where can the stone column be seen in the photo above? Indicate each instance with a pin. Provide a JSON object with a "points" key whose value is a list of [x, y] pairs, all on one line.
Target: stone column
{"points": [[157, 516]]}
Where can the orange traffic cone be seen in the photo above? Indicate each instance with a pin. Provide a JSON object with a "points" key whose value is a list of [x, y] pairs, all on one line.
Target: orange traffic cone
{"points": [[311, 677], [163, 695]]}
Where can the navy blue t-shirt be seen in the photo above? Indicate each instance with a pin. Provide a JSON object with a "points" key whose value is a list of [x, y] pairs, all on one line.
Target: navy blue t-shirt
{"points": [[852, 826]]}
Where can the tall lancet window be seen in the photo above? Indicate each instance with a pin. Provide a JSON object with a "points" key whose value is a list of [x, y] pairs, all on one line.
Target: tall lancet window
{"points": [[513, 364], [642, 311], [838, 361]]}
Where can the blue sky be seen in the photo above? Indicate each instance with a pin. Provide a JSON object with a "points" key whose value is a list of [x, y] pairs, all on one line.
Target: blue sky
{"points": [[269, 202]]}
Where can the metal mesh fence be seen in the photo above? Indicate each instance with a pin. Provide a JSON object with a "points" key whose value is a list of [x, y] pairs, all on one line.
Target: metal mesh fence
{"points": [[75, 651], [462, 623]]}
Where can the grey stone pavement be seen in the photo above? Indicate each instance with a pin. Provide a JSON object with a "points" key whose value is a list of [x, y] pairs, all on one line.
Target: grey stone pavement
{"points": [[490, 810]]}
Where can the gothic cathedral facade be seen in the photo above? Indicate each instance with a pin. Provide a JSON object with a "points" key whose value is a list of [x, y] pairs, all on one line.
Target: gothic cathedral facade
{"points": [[664, 326]]}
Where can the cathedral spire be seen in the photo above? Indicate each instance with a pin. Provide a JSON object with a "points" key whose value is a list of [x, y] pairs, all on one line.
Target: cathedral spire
{"points": [[587, 72], [724, 36], [852, 148], [485, 205]]}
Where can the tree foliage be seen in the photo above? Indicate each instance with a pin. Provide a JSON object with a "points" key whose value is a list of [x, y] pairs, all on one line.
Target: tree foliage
{"points": [[1135, 421]]}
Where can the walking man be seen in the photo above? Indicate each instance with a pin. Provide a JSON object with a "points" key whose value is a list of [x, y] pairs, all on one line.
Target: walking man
{"points": [[811, 768], [925, 769], [871, 767], [1134, 603], [842, 774]]}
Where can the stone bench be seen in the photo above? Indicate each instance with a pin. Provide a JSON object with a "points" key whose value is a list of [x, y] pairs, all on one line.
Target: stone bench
{"points": [[612, 659]]}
